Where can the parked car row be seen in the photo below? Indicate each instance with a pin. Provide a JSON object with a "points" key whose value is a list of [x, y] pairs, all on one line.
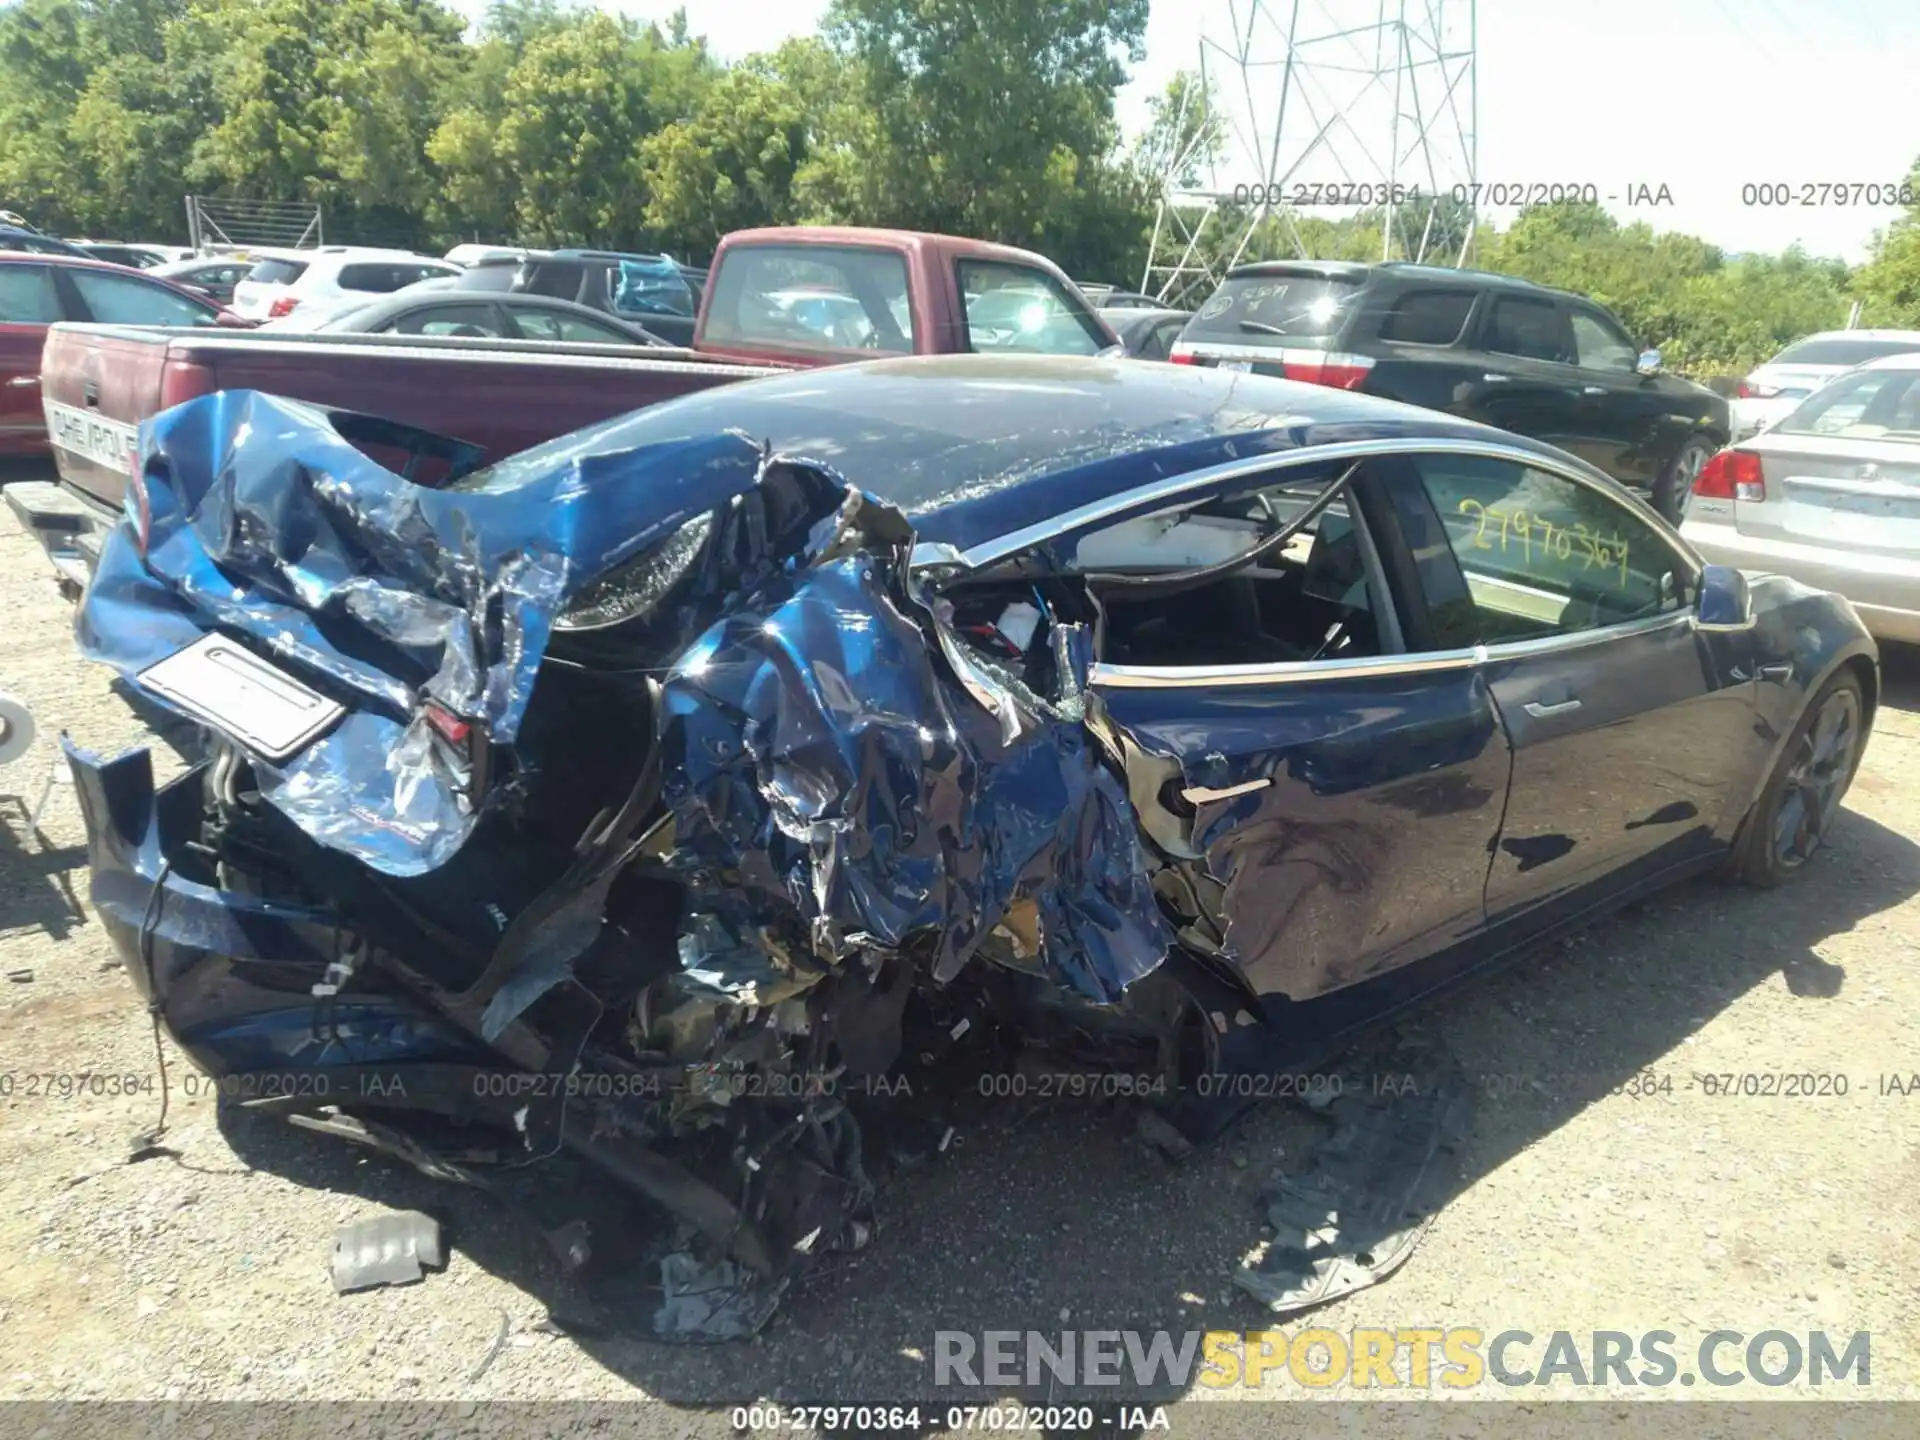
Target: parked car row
{"points": [[1528, 359], [39, 289]]}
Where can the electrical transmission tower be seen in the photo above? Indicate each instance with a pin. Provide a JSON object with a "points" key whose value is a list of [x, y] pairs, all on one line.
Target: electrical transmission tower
{"points": [[1319, 107]]}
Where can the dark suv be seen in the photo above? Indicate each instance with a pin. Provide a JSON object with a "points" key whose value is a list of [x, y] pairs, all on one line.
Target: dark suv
{"points": [[595, 278], [1486, 347]]}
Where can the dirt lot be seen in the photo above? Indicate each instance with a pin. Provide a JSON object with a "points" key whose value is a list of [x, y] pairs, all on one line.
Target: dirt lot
{"points": [[203, 1275]]}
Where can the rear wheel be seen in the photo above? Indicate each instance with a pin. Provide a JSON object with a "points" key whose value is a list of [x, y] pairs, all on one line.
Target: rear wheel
{"points": [[1798, 807], [1674, 488]]}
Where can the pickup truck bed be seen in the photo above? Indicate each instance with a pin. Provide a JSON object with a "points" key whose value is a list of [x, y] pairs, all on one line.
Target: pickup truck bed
{"points": [[99, 381]]}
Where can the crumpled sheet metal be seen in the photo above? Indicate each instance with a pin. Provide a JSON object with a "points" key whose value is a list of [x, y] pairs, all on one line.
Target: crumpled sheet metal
{"points": [[822, 766], [266, 522], [836, 788]]}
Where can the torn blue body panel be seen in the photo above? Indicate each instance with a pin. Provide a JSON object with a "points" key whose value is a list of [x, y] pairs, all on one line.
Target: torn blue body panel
{"points": [[834, 786], [265, 523]]}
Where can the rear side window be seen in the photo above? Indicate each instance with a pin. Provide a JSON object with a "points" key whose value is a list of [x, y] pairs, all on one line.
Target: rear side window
{"points": [[123, 300], [1872, 405], [555, 279], [557, 325], [1015, 309], [27, 296], [468, 320], [812, 297], [277, 272], [1277, 309], [387, 276], [1530, 329], [1428, 317], [1842, 351]]}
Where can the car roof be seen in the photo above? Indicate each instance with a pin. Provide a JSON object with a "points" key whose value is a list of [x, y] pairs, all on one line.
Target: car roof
{"points": [[1913, 335], [1357, 270], [1906, 360], [975, 447], [952, 246]]}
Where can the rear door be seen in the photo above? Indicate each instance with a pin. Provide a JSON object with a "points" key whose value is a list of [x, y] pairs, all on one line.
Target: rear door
{"points": [[1336, 797], [1633, 731], [1520, 373], [29, 302]]}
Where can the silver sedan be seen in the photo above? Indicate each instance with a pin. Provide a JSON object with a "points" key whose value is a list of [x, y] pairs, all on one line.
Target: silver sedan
{"points": [[1829, 495]]}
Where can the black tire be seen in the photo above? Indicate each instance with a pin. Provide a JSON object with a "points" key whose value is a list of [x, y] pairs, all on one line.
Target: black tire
{"points": [[1674, 488], [1809, 781]]}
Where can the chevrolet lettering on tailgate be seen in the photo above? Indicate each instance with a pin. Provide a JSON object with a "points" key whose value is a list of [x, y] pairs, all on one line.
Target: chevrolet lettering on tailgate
{"points": [[106, 442]]}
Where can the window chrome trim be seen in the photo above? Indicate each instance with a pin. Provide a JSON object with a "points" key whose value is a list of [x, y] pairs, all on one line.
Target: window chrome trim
{"points": [[1368, 667], [1172, 487], [1552, 644], [1364, 667]]}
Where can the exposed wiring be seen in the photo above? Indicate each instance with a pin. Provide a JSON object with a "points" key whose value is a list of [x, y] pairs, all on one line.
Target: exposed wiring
{"points": [[150, 917]]}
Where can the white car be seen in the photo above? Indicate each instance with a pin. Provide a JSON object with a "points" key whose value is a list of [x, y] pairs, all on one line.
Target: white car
{"points": [[327, 279], [1775, 389], [1829, 495]]}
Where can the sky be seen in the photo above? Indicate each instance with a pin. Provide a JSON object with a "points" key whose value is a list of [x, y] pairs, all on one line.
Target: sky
{"points": [[1703, 97]]}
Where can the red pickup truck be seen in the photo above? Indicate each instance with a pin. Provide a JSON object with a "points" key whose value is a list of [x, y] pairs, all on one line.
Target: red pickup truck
{"points": [[775, 300]]}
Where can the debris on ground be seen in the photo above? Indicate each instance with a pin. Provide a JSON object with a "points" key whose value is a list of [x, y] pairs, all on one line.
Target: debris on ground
{"points": [[1376, 1183], [396, 1249], [713, 1301]]}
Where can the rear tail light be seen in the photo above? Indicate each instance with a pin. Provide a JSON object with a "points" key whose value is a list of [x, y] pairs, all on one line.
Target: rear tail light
{"points": [[1181, 357], [1747, 390], [1323, 367], [283, 306], [455, 730], [1732, 475]]}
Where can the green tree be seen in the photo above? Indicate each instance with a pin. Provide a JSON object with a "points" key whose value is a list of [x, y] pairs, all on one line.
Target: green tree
{"points": [[983, 108], [548, 150], [1888, 285], [732, 163]]}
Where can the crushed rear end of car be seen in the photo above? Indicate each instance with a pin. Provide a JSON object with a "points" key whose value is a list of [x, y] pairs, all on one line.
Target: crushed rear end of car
{"points": [[645, 808]]}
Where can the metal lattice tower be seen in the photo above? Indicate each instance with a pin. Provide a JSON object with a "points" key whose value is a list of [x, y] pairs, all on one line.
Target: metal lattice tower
{"points": [[1310, 94]]}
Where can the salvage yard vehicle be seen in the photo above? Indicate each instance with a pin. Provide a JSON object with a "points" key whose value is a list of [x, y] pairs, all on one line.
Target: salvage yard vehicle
{"points": [[37, 291], [911, 290], [1772, 391], [1494, 348], [664, 793], [1829, 495], [420, 311], [328, 278]]}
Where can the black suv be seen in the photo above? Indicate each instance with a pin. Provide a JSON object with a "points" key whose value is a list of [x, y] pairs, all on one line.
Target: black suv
{"points": [[1486, 347], [586, 277]]}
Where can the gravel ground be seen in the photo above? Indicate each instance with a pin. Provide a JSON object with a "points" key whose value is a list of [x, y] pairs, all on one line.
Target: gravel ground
{"points": [[203, 1275]]}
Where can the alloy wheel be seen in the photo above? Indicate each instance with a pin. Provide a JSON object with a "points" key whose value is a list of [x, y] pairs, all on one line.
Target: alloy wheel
{"points": [[1817, 777]]}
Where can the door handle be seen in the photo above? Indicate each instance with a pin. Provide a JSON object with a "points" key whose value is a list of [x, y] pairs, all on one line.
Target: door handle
{"points": [[1540, 712], [1202, 794], [20, 382], [1593, 389], [1493, 379], [1776, 672]]}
